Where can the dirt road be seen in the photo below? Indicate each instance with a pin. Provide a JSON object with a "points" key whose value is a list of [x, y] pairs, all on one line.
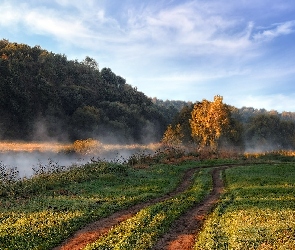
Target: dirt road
{"points": [[94, 230], [182, 233]]}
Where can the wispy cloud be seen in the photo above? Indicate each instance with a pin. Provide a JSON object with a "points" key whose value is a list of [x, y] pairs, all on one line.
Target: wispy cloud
{"points": [[279, 102], [46, 22], [191, 29], [276, 30], [185, 28], [9, 16]]}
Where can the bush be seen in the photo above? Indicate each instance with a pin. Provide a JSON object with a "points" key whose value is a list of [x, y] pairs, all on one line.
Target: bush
{"points": [[86, 146]]}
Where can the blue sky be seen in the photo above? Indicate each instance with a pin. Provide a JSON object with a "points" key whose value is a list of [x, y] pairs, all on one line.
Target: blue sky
{"points": [[170, 49]]}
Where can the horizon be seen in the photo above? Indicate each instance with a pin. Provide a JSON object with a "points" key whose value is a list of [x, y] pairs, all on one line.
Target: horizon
{"points": [[172, 50]]}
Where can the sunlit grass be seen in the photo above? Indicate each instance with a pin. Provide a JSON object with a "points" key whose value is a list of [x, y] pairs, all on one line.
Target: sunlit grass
{"points": [[19, 230], [279, 155], [40, 212], [257, 212], [143, 230]]}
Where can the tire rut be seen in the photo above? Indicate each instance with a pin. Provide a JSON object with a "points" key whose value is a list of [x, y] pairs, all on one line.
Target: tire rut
{"points": [[93, 231], [182, 233]]}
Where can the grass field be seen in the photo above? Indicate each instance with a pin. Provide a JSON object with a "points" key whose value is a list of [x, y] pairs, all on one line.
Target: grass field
{"points": [[143, 230], [256, 212], [40, 212]]}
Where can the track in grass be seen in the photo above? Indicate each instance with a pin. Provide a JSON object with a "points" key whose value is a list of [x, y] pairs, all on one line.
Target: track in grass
{"points": [[182, 233], [91, 232]]}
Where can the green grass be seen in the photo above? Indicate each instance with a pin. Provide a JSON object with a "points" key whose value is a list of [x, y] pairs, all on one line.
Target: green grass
{"points": [[142, 230], [257, 211], [41, 212]]}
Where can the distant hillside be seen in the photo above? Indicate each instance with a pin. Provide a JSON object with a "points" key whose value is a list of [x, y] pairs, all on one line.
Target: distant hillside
{"points": [[43, 96], [168, 104], [248, 112]]}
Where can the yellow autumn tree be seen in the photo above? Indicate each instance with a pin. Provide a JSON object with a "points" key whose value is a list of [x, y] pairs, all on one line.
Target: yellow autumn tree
{"points": [[172, 136], [209, 121]]}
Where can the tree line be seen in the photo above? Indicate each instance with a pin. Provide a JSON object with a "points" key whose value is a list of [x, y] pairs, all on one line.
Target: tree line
{"points": [[216, 125], [44, 95]]}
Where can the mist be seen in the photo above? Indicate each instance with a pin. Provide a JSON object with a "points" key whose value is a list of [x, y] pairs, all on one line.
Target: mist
{"points": [[26, 161]]}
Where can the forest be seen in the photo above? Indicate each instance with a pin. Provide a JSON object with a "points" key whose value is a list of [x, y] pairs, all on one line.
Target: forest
{"points": [[44, 96]]}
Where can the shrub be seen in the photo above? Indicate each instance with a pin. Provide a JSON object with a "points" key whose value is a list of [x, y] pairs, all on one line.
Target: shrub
{"points": [[86, 146]]}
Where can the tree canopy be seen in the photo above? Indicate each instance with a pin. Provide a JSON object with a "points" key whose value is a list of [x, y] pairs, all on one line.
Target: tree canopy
{"points": [[209, 121], [71, 99]]}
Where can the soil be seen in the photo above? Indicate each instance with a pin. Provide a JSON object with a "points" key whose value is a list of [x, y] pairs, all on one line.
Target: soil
{"points": [[182, 233]]}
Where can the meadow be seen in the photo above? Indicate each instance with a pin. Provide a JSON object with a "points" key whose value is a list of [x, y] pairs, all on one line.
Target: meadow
{"points": [[255, 212], [40, 212]]}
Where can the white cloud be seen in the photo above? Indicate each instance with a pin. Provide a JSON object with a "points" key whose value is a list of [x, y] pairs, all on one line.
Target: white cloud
{"points": [[181, 29], [10, 16], [47, 22], [191, 28], [278, 102], [275, 31]]}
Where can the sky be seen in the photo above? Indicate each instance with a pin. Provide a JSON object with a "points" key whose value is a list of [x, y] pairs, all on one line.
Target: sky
{"points": [[186, 50]]}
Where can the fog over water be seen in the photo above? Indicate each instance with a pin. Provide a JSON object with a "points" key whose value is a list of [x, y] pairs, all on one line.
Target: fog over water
{"points": [[26, 161]]}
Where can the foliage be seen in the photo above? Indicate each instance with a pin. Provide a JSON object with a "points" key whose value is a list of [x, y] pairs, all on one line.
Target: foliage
{"points": [[172, 136], [269, 132], [8, 174], [8, 177], [40, 90], [211, 124], [166, 154], [247, 128], [257, 211], [172, 104], [183, 118], [44, 95], [86, 146]]}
